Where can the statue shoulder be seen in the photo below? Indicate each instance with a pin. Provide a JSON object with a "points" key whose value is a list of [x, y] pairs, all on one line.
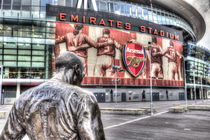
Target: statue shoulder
{"points": [[83, 92]]}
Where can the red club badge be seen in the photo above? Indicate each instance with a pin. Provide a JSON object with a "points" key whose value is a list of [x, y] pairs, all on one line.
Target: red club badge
{"points": [[134, 57]]}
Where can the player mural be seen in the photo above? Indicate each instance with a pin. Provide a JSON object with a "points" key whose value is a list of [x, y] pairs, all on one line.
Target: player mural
{"points": [[101, 47], [156, 59]]}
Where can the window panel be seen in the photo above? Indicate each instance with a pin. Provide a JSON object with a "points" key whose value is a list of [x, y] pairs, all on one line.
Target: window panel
{"points": [[103, 6], [50, 24], [37, 58], [10, 64], [37, 52], [37, 64], [38, 47], [38, 35], [24, 52], [116, 8], [24, 46], [10, 57], [6, 51], [50, 30], [10, 45], [7, 4], [24, 64], [16, 4], [24, 58], [51, 36], [26, 2]]}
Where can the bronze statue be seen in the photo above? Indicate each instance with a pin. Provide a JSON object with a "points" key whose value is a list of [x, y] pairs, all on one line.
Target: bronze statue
{"points": [[57, 109]]}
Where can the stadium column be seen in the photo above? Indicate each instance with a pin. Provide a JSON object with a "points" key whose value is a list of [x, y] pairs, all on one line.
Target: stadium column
{"points": [[18, 90], [18, 85], [191, 93], [200, 93]]}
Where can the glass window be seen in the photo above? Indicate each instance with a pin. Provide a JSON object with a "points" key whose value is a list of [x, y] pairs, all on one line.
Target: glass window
{"points": [[134, 10], [128, 10], [10, 51], [117, 8], [16, 4], [150, 15], [145, 13], [50, 24], [37, 52], [103, 6], [24, 52], [37, 58], [139, 12], [25, 34], [24, 64], [68, 3], [62, 2], [0, 51], [25, 73], [35, 11], [38, 29], [37, 64], [7, 4], [35, 2], [111, 7], [38, 35], [24, 58], [10, 57], [159, 17], [0, 3], [38, 46], [122, 8], [10, 45], [51, 36], [50, 30], [26, 7], [10, 64], [24, 46]]}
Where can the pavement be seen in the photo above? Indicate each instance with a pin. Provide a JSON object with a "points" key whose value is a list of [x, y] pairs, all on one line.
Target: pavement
{"points": [[192, 125]]}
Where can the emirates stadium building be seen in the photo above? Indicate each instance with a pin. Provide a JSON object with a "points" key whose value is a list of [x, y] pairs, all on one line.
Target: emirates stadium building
{"points": [[127, 47]]}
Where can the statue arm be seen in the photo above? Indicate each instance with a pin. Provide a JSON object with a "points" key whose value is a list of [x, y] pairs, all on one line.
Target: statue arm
{"points": [[13, 129], [89, 125]]}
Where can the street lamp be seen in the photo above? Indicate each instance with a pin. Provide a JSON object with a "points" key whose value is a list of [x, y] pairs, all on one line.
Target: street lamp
{"points": [[193, 67], [1, 76], [185, 80], [151, 98], [201, 74], [116, 69]]}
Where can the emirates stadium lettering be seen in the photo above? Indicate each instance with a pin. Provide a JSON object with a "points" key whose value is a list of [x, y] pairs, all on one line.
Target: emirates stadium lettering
{"points": [[118, 24]]}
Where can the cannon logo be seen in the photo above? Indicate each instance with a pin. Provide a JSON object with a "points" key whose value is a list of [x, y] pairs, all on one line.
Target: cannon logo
{"points": [[134, 58]]}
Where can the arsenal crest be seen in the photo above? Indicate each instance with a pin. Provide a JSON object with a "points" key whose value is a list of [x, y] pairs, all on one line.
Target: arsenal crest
{"points": [[134, 58]]}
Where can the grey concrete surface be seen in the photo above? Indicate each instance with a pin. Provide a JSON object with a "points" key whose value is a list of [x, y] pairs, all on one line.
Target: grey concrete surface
{"points": [[192, 125], [159, 105]]}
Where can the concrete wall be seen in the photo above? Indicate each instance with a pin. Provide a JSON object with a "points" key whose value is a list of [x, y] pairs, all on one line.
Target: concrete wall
{"points": [[135, 94]]}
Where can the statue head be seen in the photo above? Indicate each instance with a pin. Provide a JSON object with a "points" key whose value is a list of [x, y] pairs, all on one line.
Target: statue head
{"points": [[70, 68]]}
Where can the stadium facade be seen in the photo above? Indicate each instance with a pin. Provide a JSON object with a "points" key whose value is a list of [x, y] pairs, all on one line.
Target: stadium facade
{"points": [[106, 33]]}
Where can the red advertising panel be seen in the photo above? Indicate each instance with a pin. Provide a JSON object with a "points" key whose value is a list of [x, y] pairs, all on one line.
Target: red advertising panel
{"points": [[101, 47]]}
